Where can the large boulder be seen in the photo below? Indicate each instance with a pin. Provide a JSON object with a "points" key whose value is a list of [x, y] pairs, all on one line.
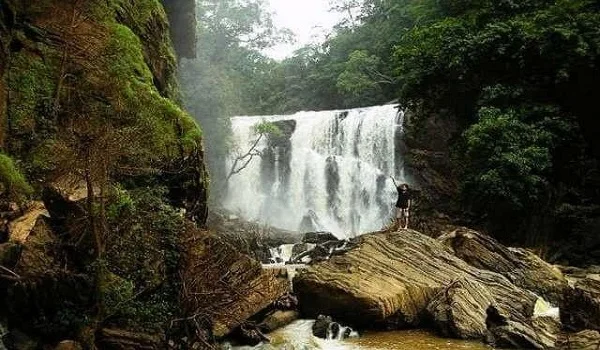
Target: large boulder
{"points": [[580, 306], [389, 279], [223, 286], [318, 237], [520, 266]]}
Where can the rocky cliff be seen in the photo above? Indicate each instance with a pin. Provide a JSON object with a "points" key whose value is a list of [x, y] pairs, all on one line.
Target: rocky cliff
{"points": [[101, 171]]}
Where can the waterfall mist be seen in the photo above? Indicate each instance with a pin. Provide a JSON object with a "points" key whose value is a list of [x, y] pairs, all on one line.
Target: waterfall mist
{"points": [[329, 171]]}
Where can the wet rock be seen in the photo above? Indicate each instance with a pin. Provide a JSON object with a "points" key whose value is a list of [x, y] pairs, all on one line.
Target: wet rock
{"points": [[321, 326], [249, 334], [584, 340], [224, 284], [68, 345], [286, 302], [520, 266], [318, 237], [389, 279], [324, 327], [119, 339], [300, 248], [580, 307], [278, 319]]}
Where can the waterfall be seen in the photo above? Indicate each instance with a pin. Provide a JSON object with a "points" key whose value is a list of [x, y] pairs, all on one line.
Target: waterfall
{"points": [[328, 171]]}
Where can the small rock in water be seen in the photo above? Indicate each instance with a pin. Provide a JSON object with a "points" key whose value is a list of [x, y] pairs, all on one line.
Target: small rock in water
{"points": [[318, 237], [325, 328], [321, 326]]}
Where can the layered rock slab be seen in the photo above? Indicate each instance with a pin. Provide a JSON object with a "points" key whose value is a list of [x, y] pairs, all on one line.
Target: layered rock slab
{"points": [[520, 266], [389, 279], [223, 287]]}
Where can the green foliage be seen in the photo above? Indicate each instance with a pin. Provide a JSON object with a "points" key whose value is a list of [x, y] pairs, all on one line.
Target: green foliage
{"points": [[230, 76], [517, 77], [32, 82], [145, 255], [506, 163], [14, 184], [360, 74], [266, 127]]}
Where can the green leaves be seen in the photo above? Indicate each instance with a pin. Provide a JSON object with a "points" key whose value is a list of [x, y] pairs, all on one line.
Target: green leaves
{"points": [[506, 162], [361, 74], [14, 185], [267, 128]]}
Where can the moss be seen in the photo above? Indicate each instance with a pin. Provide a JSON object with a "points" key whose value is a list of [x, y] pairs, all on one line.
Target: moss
{"points": [[14, 183], [191, 137], [125, 56], [32, 83], [148, 20], [159, 117]]}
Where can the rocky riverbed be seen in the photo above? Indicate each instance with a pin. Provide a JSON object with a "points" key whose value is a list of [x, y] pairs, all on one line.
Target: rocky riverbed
{"points": [[462, 285], [298, 335]]}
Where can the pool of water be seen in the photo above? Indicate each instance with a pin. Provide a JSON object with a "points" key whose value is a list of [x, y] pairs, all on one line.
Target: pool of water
{"points": [[298, 336]]}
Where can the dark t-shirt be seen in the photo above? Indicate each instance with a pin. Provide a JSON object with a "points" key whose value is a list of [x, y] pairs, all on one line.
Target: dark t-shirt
{"points": [[403, 198]]}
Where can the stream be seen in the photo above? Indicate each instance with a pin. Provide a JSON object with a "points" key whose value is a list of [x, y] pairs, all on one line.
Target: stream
{"points": [[298, 336]]}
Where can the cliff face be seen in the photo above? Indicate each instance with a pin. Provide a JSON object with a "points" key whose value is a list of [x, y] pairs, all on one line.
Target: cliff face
{"points": [[428, 140], [97, 154], [76, 72]]}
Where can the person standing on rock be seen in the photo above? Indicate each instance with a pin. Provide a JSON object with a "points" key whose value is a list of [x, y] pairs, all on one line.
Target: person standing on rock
{"points": [[402, 205]]}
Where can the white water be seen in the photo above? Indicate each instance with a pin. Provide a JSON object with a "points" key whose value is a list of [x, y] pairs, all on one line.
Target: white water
{"points": [[339, 168], [297, 335]]}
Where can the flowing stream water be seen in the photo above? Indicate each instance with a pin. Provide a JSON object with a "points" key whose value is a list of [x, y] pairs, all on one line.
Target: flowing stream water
{"points": [[298, 336], [328, 171]]}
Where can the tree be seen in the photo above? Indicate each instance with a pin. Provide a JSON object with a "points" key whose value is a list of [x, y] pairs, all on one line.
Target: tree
{"points": [[242, 160]]}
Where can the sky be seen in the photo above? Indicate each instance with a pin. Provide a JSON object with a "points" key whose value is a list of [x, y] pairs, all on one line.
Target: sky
{"points": [[309, 20]]}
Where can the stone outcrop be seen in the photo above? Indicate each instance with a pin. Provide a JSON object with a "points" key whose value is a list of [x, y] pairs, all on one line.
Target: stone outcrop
{"points": [[406, 279], [89, 104], [390, 278], [225, 287], [520, 266]]}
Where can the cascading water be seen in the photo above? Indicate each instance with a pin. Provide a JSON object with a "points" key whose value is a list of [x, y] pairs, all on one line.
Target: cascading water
{"points": [[328, 170]]}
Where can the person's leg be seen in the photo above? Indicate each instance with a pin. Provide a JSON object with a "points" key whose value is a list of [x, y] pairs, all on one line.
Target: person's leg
{"points": [[406, 215], [398, 218]]}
